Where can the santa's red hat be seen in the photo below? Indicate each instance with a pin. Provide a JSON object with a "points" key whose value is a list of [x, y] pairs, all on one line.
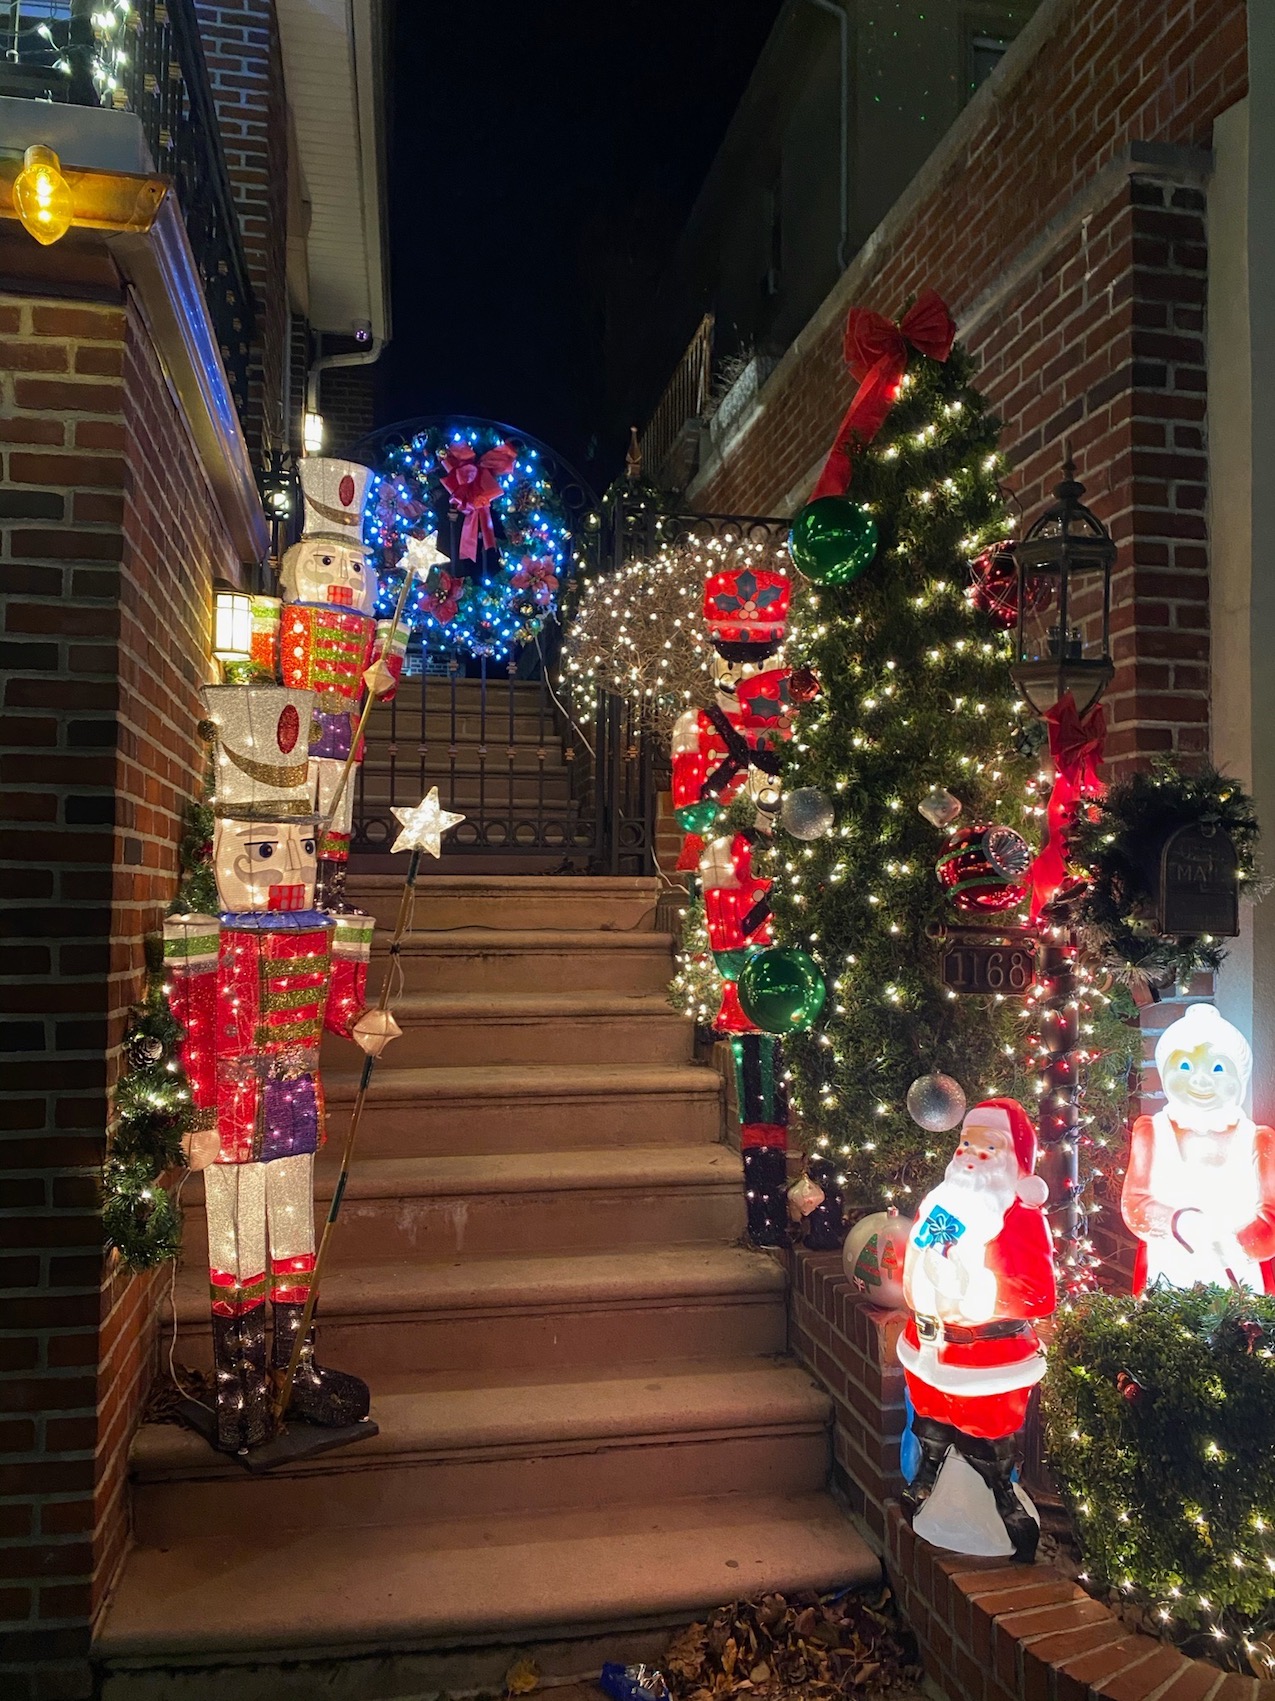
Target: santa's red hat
{"points": [[1010, 1117]]}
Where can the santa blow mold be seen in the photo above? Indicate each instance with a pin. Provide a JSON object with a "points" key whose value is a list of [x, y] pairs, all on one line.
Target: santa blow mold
{"points": [[979, 1269]]}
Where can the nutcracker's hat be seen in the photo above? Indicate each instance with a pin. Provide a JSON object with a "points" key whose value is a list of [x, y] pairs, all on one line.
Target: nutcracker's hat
{"points": [[746, 609], [334, 493], [261, 740]]}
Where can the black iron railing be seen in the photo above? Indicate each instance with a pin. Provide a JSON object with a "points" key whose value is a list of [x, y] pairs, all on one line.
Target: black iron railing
{"points": [[151, 62]]}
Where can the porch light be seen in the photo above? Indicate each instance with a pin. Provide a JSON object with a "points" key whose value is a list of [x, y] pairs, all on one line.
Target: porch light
{"points": [[232, 626], [42, 195], [312, 434], [1063, 640]]}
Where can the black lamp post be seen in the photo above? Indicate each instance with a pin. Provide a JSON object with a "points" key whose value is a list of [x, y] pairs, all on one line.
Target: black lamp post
{"points": [[1063, 640]]}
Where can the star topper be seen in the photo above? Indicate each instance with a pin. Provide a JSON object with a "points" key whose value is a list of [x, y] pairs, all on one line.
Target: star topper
{"points": [[424, 826], [422, 554]]}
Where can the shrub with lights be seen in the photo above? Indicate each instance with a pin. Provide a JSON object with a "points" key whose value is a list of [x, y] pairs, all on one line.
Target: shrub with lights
{"points": [[506, 530], [1159, 1424], [924, 754]]}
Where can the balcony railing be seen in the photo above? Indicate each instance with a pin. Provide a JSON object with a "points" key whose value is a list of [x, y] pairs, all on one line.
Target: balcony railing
{"points": [[682, 404], [150, 61]]}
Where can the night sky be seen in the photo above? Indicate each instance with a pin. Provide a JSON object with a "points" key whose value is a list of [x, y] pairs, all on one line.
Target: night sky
{"points": [[535, 150]]}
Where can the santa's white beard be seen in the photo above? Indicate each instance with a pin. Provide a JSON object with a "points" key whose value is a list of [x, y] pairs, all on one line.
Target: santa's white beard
{"points": [[979, 1198]]}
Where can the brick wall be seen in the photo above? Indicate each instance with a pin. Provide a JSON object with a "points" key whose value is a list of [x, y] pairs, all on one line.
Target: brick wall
{"points": [[109, 542], [1062, 219], [245, 67], [347, 402]]}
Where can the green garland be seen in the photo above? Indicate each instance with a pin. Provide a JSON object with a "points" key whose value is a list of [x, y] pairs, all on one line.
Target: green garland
{"points": [[1105, 843], [1158, 1428], [152, 1100]]}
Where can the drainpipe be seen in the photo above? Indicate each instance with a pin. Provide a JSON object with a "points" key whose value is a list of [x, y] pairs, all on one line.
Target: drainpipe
{"points": [[843, 25], [324, 362]]}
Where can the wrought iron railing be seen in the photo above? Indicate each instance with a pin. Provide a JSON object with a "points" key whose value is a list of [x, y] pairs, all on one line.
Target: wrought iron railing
{"points": [[685, 399], [152, 64]]}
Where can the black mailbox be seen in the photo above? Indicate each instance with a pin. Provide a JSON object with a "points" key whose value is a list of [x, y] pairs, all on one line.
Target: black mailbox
{"points": [[1198, 890]]}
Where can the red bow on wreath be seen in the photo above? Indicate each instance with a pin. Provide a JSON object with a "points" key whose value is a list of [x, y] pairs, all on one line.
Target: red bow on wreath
{"points": [[473, 485], [876, 352], [1075, 743]]}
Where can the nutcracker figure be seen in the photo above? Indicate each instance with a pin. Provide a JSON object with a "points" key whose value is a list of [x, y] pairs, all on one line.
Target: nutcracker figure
{"points": [[978, 1271], [1199, 1191], [254, 988], [324, 638]]}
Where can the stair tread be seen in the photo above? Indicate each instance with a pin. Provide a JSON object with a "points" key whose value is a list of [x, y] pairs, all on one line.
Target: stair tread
{"points": [[578, 1169], [509, 1006], [512, 885], [484, 1578], [427, 1420], [520, 1080], [562, 1281], [477, 937]]}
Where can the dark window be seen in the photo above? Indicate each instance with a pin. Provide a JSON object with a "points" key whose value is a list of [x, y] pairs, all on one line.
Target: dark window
{"points": [[985, 54]]}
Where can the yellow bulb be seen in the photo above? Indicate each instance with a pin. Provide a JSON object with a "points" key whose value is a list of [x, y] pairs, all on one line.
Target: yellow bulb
{"points": [[42, 195]]}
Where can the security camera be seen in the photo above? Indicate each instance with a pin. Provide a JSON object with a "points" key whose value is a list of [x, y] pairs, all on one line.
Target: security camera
{"points": [[362, 332]]}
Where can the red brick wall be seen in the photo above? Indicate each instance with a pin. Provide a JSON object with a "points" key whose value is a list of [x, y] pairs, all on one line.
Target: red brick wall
{"points": [[241, 45], [347, 403], [108, 545], [1099, 342]]}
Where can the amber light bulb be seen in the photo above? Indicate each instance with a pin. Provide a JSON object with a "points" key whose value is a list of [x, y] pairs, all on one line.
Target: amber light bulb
{"points": [[42, 195]]}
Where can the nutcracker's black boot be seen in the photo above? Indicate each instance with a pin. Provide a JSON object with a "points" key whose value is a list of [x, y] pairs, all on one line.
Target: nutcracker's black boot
{"points": [[332, 1398], [329, 885], [243, 1390], [935, 1438], [994, 1462]]}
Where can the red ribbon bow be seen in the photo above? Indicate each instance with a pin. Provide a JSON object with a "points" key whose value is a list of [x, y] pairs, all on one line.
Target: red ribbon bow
{"points": [[876, 352], [473, 485], [1076, 747]]}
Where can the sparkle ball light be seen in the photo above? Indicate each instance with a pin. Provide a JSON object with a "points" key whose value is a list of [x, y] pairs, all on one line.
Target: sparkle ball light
{"points": [[807, 813], [833, 540], [781, 990], [936, 1102]]}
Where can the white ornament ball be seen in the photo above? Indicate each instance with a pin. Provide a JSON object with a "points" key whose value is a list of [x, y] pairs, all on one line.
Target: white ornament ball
{"points": [[807, 813], [873, 1257], [936, 1102]]}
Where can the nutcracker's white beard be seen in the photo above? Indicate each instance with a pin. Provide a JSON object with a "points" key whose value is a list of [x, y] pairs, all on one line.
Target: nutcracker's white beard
{"points": [[979, 1198]]}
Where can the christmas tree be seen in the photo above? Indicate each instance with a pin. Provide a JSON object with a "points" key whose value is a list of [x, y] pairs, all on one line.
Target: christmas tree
{"points": [[917, 701]]}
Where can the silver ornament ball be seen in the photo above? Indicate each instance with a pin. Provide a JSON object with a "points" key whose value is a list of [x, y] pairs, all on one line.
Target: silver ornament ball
{"points": [[807, 813], [936, 1102]]}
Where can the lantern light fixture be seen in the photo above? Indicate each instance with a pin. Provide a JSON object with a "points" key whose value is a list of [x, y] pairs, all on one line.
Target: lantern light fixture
{"points": [[232, 625], [1063, 566], [312, 434]]}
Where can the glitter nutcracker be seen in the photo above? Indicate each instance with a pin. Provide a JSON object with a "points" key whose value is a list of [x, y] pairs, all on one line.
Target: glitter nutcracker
{"points": [[323, 638], [254, 989]]}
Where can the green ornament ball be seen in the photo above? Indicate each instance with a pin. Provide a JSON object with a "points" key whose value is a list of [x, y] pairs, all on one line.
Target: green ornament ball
{"points": [[781, 990], [833, 540]]}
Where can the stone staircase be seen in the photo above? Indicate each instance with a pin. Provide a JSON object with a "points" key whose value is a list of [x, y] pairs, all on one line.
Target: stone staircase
{"points": [[588, 1427]]}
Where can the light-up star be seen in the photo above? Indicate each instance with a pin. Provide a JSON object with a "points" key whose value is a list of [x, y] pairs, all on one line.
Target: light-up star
{"points": [[424, 826], [422, 554]]}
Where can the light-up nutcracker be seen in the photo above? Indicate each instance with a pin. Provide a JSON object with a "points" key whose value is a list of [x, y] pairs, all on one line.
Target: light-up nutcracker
{"points": [[978, 1272], [718, 752], [254, 989], [324, 638]]}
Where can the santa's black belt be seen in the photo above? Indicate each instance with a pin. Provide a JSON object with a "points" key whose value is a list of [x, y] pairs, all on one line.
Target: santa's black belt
{"points": [[964, 1335]]}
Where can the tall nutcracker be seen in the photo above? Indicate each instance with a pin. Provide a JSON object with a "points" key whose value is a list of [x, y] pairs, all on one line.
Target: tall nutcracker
{"points": [[325, 638], [254, 988]]}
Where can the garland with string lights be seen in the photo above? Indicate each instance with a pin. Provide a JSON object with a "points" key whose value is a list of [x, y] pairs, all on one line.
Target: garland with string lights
{"points": [[490, 605], [1158, 1423], [152, 1100], [1116, 843], [916, 698]]}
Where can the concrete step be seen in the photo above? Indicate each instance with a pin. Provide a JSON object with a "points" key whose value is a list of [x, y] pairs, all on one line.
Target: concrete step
{"points": [[447, 1452], [267, 1615], [488, 959], [527, 1107], [469, 758], [571, 901], [569, 1027], [638, 1305], [431, 1210]]}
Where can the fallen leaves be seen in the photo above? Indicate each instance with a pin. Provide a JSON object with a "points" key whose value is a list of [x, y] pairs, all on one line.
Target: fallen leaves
{"points": [[851, 1645]]}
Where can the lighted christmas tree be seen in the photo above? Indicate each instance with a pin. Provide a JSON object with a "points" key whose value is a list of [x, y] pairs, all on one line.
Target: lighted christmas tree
{"points": [[917, 708]]}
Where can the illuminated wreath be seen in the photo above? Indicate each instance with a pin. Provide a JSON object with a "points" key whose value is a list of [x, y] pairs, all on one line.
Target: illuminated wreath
{"points": [[498, 519]]}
